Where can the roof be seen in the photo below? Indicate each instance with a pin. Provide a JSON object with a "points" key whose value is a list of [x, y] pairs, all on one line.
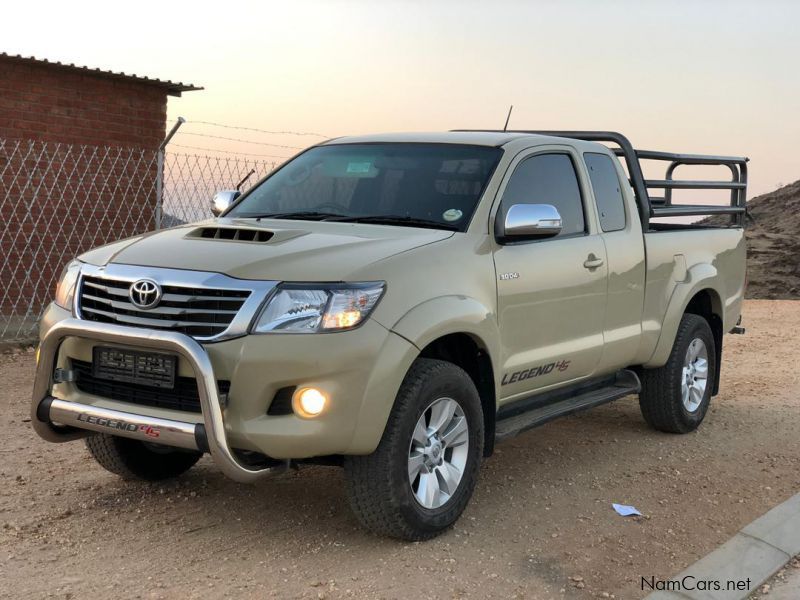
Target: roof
{"points": [[170, 87], [475, 138]]}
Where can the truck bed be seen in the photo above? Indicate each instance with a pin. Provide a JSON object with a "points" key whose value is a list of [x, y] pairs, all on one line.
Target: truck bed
{"points": [[684, 256]]}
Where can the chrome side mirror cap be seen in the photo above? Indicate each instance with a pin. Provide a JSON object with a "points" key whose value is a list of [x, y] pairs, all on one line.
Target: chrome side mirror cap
{"points": [[223, 200], [528, 221]]}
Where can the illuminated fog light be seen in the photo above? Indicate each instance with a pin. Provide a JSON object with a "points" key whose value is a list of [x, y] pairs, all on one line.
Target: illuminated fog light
{"points": [[309, 402]]}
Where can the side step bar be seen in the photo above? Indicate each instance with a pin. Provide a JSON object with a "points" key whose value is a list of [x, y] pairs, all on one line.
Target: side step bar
{"points": [[540, 409]]}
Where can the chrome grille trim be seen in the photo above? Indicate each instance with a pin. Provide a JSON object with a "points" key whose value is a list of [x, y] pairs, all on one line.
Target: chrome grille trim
{"points": [[161, 310], [164, 298], [145, 322], [214, 307]]}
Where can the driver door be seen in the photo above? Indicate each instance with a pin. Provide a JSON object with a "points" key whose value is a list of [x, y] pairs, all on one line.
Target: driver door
{"points": [[551, 292]]}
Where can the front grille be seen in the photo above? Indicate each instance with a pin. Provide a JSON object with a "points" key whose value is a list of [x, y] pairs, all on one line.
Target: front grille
{"points": [[183, 396], [198, 312]]}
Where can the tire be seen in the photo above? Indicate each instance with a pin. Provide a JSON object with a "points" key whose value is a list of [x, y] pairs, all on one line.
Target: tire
{"points": [[132, 459], [663, 399], [382, 493]]}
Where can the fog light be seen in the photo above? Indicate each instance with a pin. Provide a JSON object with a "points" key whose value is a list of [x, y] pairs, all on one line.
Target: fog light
{"points": [[309, 402]]}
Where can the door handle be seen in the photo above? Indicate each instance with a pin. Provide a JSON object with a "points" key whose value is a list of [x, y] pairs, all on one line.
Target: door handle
{"points": [[592, 262]]}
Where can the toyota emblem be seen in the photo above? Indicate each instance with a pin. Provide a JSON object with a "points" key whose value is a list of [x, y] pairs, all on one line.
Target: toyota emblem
{"points": [[145, 294]]}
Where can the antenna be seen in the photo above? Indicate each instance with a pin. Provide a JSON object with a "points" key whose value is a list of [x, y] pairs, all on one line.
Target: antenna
{"points": [[510, 108]]}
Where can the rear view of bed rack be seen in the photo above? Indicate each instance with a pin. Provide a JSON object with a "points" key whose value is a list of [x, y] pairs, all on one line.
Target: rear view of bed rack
{"points": [[662, 206]]}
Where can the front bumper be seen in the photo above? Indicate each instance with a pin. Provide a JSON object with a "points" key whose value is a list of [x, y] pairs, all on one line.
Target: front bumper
{"points": [[56, 420], [360, 370]]}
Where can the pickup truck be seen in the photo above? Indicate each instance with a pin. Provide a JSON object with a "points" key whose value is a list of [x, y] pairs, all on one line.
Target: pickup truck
{"points": [[395, 305]]}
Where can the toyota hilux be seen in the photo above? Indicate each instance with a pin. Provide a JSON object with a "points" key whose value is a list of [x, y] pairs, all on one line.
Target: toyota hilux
{"points": [[396, 305]]}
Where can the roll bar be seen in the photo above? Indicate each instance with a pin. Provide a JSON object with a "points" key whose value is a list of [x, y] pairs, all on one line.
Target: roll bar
{"points": [[651, 206]]}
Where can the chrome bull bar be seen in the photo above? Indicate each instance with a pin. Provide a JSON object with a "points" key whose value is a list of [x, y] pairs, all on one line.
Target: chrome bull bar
{"points": [[57, 420]]}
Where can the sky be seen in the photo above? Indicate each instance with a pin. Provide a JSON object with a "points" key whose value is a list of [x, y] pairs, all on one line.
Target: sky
{"points": [[685, 76]]}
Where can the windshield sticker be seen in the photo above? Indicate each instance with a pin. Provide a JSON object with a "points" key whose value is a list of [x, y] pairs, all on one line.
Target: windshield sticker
{"points": [[452, 214], [359, 167]]}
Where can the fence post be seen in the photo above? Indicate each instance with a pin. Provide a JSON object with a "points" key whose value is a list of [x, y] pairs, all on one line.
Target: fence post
{"points": [[160, 171], [159, 186]]}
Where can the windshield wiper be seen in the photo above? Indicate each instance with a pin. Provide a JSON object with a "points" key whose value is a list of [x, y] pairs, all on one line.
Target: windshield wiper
{"points": [[396, 220], [309, 215]]}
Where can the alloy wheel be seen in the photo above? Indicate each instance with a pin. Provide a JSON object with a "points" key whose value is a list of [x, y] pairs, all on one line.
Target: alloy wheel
{"points": [[694, 375], [437, 454]]}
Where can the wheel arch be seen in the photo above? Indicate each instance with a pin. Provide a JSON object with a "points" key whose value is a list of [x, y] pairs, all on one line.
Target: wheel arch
{"points": [[703, 299], [461, 330], [468, 352]]}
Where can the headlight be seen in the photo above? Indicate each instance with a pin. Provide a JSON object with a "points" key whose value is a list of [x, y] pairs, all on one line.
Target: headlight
{"points": [[65, 290], [310, 309]]}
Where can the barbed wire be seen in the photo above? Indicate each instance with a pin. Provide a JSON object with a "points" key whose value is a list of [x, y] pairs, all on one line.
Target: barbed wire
{"points": [[257, 129], [226, 151], [219, 137]]}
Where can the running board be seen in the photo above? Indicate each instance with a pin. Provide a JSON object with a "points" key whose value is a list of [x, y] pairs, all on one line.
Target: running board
{"points": [[540, 409]]}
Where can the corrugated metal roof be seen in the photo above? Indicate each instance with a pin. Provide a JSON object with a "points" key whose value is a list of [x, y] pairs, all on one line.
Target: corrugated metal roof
{"points": [[170, 87]]}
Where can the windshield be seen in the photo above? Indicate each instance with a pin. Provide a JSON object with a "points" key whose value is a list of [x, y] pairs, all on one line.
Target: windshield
{"points": [[396, 183]]}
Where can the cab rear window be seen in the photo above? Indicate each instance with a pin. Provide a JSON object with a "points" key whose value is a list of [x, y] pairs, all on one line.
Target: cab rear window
{"points": [[607, 191]]}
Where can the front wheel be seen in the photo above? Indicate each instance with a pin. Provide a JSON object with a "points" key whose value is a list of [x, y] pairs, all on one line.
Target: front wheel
{"points": [[420, 478], [675, 397]]}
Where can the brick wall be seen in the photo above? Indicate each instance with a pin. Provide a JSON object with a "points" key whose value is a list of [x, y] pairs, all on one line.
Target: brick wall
{"points": [[42, 102], [60, 200], [77, 170]]}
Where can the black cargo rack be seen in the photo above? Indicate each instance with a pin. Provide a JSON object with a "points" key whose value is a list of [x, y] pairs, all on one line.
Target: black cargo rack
{"points": [[650, 207]]}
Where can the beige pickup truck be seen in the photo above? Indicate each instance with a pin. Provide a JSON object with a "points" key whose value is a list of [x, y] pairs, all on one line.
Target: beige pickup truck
{"points": [[395, 305]]}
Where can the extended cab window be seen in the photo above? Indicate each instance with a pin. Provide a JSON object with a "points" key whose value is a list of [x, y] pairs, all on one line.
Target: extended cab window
{"points": [[435, 185], [548, 179], [607, 191]]}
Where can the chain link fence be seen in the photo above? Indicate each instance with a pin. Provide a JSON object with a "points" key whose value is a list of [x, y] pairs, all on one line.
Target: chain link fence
{"points": [[190, 181], [59, 200]]}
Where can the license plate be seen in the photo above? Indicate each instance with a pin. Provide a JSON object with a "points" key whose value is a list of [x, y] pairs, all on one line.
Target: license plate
{"points": [[133, 366]]}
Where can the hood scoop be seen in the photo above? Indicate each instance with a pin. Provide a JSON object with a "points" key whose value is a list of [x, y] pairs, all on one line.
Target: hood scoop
{"points": [[231, 234]]}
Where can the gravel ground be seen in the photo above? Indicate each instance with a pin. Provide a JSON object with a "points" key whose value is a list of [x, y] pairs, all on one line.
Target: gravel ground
{"points": [[540, 524]]}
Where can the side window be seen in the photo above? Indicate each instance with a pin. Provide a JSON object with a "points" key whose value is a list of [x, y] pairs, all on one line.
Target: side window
{"points": [[607, 191], [548, 179]]}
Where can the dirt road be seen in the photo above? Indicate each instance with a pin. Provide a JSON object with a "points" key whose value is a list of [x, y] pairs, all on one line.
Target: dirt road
{"points": [[539, 526]]}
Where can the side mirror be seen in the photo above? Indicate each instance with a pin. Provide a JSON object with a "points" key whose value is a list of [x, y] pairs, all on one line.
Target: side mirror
{"points": [[223, 200], [528, 221]]}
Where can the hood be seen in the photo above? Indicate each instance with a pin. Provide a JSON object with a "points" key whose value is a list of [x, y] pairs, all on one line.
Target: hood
{"points": [[270, 249]]}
